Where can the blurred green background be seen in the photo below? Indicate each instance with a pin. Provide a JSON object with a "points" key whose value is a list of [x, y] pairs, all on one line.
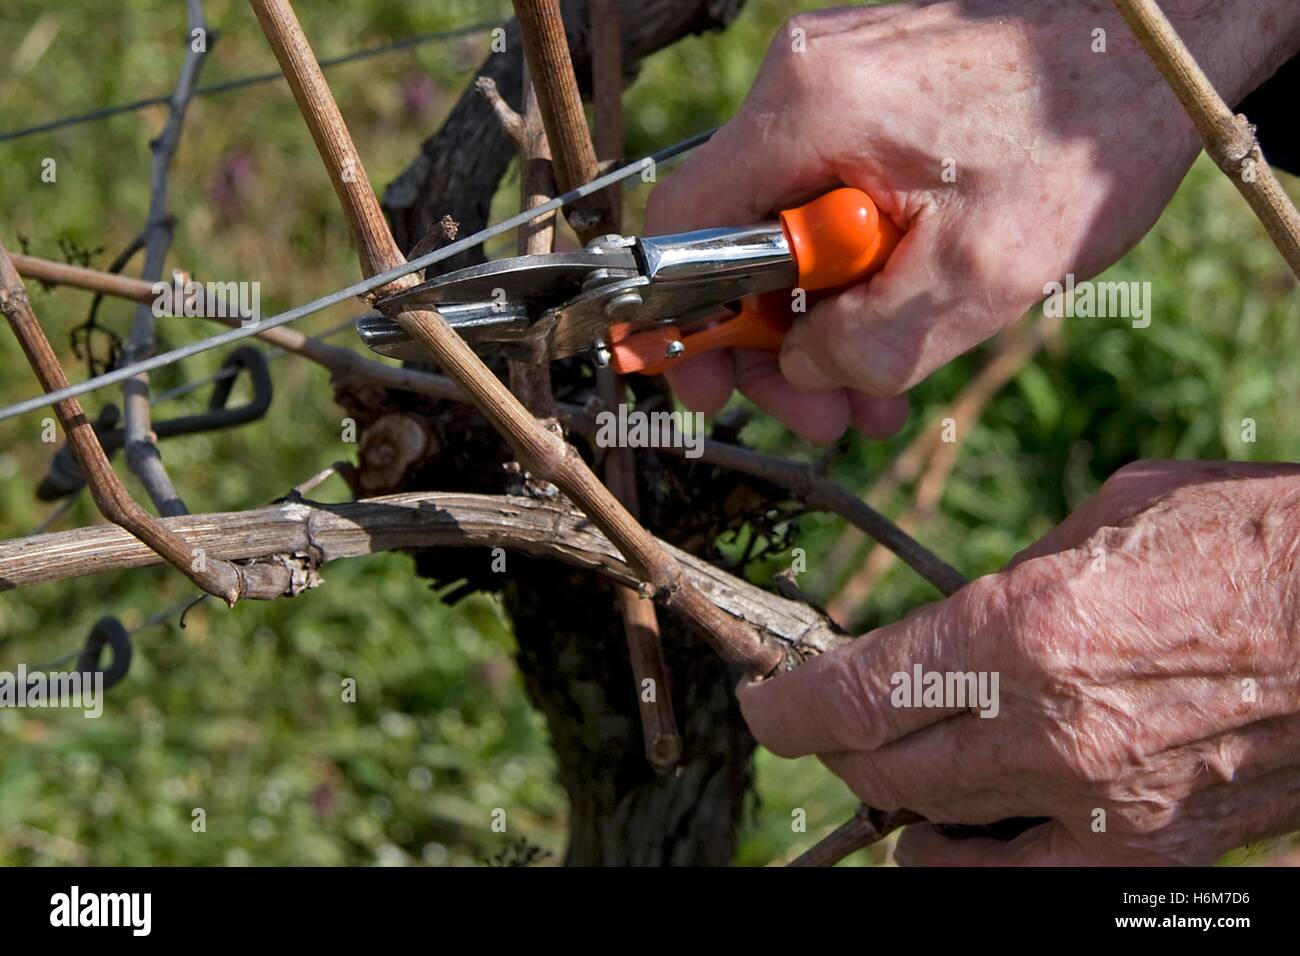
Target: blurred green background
{"points": [[239, 713]]}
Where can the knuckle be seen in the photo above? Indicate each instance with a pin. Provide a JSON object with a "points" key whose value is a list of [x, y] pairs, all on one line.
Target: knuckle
{"points": [[754, 378], [882, 361], [1095, 746], [1082, 751], [1127, 471], [1141, 813], [1159, 476], [1082, 755], [1041, 606], [785, 61], [1126, 476], [793, 33], [986, 607]]}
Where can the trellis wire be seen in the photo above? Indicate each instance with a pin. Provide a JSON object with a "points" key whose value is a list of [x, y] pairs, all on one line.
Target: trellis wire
{"points": [[225, 86], [271, 354], [357, 288]]}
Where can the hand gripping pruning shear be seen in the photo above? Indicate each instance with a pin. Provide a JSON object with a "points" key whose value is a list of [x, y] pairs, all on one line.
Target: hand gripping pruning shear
{"points": [[642, 304]]}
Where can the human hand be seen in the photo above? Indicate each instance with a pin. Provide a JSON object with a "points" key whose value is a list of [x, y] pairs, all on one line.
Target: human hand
{"points": [[1147, 654], [990, 130]]}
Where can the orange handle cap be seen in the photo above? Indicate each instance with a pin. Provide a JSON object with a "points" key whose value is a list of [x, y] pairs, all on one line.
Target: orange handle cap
{"points": [[838, 239]]}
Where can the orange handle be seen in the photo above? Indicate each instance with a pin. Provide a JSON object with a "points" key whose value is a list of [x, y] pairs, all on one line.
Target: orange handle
{"points": [[761, 323], [836, 240]]}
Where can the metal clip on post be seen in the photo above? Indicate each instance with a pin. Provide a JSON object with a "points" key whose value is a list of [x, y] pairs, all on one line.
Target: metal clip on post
{"points": [[64, 476]]}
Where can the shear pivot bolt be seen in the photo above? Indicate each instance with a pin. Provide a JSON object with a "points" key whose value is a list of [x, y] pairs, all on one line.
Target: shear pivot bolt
{"points": [[620, 304]]}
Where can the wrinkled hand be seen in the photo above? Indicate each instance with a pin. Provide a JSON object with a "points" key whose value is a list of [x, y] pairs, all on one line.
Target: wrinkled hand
{"points": [[990, 130], [1148, 661]]}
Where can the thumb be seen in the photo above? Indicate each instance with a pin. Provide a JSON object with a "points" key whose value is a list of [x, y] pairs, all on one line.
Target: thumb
{"points": [[751, 167]]}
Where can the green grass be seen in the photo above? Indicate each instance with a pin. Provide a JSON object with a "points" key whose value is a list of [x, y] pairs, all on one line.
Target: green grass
{"points": [[240, 713]]}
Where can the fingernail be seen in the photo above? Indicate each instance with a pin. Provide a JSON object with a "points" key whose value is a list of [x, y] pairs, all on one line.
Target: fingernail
{"points": [[802, 372]]}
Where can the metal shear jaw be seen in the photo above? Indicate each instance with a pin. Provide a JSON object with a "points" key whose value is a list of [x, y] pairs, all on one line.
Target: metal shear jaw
{"points": [[567, 303], [539, 280], [485, 325], [503, 305]]}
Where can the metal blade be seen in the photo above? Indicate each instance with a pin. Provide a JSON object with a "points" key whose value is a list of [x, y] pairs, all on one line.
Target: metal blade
{"points": [[541, 281], [478, 322]]}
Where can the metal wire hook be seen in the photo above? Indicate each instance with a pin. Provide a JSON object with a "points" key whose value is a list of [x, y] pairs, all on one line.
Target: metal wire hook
{"points": [[64, 476], [107, 632]]}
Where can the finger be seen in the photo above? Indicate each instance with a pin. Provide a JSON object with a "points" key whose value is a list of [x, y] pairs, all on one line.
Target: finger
{"points": [[818, 417], [1230, 759], [959, 770], [1048, 844], [859, 696], [1243, 777], [704, 383], [877, 418], [1261, 807], [940, 294]]}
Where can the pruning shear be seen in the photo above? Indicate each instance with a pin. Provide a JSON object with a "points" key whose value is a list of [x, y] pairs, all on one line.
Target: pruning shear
{"points": [[643, 304]]}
